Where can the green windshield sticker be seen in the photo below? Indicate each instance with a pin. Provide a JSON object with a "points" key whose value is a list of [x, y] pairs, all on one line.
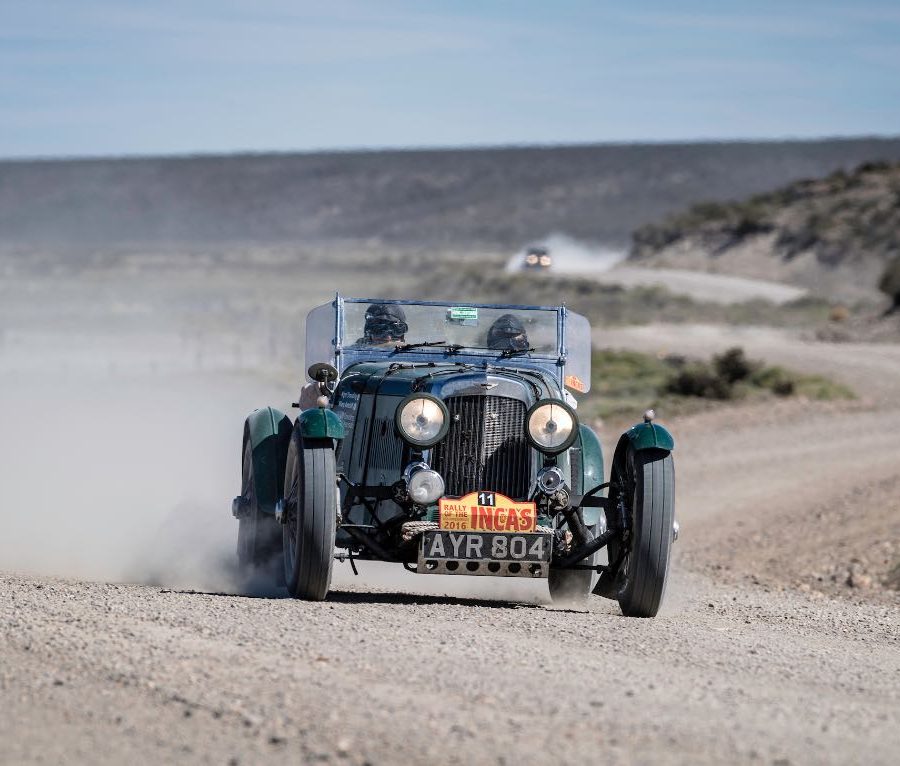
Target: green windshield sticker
{"points": [[463, 314]]}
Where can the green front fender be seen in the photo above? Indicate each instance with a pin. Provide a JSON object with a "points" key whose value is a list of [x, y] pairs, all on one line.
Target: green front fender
{"points": [[320, 423], [269, 432], [650, 436]]}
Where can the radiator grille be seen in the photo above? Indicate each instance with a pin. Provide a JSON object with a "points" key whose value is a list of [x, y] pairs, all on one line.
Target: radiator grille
{"points": [[485, 448], [387, 447], [363, 445]]}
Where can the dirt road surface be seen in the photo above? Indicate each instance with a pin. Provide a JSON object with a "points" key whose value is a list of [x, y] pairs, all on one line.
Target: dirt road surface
{"points": [[701, 286], [744, 664], [609, 266]]}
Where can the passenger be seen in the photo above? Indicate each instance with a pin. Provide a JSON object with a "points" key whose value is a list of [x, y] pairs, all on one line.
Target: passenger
{"points": [[508, 334], [385, 325]]}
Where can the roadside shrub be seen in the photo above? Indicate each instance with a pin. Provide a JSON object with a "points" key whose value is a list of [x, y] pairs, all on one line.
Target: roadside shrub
{"points": [[747, 225], [733, 366], [873, 167], [777, 380], [709, 211], [626, 382], [893, 577], [890, 283], [821, 389], [699, 379], [793, 241]]}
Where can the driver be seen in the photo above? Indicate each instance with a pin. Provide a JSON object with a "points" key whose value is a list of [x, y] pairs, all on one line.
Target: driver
{"points": [[385, 325], [508, 334]]}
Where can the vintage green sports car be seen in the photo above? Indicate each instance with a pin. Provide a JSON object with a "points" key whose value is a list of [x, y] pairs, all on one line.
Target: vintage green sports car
{"points": [[442, 437]]}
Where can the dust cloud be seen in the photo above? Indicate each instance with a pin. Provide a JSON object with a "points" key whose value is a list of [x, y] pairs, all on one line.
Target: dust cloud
{"points": [[571, 256], [121, 454], [119, 458]]}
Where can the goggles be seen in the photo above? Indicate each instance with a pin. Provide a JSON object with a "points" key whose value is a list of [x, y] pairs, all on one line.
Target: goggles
{"points": [[385, 327]]}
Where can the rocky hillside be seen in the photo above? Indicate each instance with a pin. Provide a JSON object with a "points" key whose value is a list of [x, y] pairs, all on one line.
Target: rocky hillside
{"points": [[493, 197], [833, 234]]}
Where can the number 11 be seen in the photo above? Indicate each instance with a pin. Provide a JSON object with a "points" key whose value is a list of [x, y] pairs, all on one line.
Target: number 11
{"points": [[486, 498]]}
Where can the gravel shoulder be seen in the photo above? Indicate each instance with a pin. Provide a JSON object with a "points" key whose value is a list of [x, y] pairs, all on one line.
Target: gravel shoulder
{"points": [[102, 672]]}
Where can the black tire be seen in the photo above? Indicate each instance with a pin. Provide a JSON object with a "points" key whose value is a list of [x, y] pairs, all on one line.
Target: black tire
{"points": [[310, 503], [259, 535], [650, 475]]}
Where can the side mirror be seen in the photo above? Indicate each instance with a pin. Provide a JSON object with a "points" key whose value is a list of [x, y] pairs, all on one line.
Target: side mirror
{"points": [[322, 372]]}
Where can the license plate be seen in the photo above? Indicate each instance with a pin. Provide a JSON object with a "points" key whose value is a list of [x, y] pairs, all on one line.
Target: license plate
{"points": [[485, 553]]}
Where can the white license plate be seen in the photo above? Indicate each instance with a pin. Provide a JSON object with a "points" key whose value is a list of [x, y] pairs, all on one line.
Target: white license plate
{"points": [[493, 546]]}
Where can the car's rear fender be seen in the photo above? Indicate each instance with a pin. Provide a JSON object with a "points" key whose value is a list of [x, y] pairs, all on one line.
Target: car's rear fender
{"points": [[269, 432]]}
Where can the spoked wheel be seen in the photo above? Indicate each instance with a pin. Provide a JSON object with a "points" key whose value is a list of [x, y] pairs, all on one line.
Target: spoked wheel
{"points": [[649, 480], [259, 535], [310, 504]]}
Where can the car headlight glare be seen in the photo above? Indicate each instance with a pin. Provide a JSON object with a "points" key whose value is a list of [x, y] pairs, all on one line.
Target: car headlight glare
{"points": [[551, 426], [422, 420]]}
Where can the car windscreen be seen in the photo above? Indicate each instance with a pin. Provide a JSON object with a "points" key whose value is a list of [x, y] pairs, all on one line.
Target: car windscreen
{"points": [[531, 334], [498, 329], [320, 334], [577, 373]]}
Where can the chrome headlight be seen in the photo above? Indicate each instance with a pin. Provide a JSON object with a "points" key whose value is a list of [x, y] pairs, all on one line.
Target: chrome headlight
{"points": [[425, 486], [422, 420], [551, 426]]}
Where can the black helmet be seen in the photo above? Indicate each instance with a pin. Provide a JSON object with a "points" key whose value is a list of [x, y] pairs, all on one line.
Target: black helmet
{"points": [[507, 334], [385, 321]]}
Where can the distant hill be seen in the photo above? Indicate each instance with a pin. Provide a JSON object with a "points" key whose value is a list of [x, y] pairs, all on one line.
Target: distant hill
{"points": [[833, 234], [495, 197]]}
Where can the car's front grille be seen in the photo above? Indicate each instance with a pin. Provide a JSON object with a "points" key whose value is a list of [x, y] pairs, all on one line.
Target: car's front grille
{"points": [[485, 448]]}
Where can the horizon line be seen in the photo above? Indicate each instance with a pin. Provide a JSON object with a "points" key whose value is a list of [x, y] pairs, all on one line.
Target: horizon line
{"points": [[438, 148]]}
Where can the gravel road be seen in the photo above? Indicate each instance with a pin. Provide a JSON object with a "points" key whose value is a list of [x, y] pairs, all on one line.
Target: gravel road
{"points": [[699, 285], [742, 665]]}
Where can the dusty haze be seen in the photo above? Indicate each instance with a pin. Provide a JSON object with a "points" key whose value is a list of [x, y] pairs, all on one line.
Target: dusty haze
{"points": [[124, 389]]}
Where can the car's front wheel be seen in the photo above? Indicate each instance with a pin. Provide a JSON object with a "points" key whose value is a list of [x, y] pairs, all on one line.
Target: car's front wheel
{"points": [[310, 507], [649, 478]]}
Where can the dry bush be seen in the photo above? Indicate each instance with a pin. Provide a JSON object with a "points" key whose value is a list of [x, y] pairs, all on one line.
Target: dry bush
{"points": [[733, 366], [890, 283]]}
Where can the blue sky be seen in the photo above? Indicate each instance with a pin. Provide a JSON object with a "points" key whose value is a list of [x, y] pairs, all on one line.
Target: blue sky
{"points": [[105, 77]]}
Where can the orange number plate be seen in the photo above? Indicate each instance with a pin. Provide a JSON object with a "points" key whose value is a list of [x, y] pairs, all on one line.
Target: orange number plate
{"points": [[487, 512]]}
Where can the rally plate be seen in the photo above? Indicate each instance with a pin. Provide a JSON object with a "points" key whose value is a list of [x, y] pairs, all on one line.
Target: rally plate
{"points": [[487, 511], [485, 553]]}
